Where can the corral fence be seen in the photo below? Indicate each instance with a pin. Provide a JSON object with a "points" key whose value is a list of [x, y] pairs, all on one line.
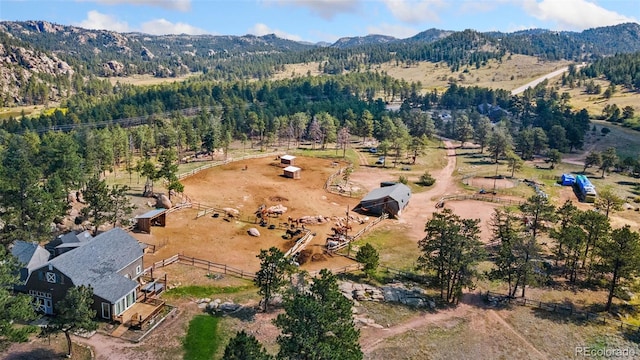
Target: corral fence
{"points": [[230, 270], [179, 206], [342, 270], [338, 189], [224, 162], [357, 235], [564, 309], [479, 197], [300, 244], [203, 264]]}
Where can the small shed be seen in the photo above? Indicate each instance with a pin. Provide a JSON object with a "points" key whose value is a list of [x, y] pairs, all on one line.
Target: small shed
{"points": [[157, 217], [567, 180], [288, 160], [292, 172]]}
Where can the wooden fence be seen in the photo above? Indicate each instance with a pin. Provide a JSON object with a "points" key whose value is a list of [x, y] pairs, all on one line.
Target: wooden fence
{"points": [[224, 162], [203, 264], [479, 197], [229, 270], [300, 244], [342, 270], [567, 310], [357, 235], [330, 188]]}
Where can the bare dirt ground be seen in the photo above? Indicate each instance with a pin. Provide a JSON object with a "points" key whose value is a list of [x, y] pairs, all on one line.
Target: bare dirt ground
{"points": [[230, 186]]}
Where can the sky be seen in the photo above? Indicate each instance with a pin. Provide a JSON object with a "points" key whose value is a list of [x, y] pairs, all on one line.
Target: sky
{"points": [[322, 20]]}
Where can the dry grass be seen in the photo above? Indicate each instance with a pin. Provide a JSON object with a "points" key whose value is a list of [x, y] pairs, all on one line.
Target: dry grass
{"points": [[481, 334], [558, 336], [146, 80], [510, 73], [595, 103], [46, 349], [387, 314], [471, 337]]}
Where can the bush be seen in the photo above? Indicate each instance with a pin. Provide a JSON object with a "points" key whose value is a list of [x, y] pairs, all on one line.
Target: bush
{"points": [[426, 179], [605, 130], [403, 180]]}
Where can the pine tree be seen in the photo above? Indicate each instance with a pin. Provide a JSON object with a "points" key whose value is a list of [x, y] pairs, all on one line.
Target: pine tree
{"points": [[245, 347], [317, 324]]}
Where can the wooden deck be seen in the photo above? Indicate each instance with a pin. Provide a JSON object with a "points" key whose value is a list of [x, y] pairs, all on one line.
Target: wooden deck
{"points": [[140, 312]]}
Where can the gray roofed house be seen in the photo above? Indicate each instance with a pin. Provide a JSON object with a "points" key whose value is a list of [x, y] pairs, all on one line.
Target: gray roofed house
{"points": [[30, 255], [387, 199], [68, 241], [110, 263]]}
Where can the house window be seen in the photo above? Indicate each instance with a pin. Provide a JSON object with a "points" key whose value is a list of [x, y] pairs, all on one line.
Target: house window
{"points": [[138, 269], [51, 277]]}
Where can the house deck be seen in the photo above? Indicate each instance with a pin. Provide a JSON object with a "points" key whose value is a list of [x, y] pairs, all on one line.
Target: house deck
{"points": [[140, 312]]}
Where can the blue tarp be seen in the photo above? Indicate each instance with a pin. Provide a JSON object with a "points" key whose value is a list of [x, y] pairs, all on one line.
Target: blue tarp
{"points": [[567, 179]]}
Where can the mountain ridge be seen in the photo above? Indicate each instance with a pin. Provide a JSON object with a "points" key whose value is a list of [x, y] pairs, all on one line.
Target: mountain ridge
{"points": [[225, 57]]}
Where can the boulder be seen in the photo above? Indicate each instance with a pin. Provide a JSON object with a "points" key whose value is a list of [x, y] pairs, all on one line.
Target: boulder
{"points": [[163, 202], [228, 306], [253, 232]]}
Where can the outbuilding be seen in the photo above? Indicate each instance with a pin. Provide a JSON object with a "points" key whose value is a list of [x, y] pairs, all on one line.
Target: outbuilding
{"points": [[288, 160], [292, 172], [157, 217], [387, 199]]}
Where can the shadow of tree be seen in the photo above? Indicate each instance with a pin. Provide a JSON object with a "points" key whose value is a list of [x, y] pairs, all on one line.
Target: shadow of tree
{"points": [[35, 354]]}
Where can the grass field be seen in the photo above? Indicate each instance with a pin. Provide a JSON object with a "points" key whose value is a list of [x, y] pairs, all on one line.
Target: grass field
{"points": [[201, 341], [396, 249]]}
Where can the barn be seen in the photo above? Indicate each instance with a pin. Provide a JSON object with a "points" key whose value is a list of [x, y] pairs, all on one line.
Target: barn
{"points": [[157, 217], [292, 172], [288, 160], [387, 199]]}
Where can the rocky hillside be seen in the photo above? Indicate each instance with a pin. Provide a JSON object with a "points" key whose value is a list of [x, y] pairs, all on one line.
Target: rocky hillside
{"points": [[44, 61], [28, 75]]}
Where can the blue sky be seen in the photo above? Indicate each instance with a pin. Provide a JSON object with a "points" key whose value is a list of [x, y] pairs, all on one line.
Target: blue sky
{"points": [[323, 20]]}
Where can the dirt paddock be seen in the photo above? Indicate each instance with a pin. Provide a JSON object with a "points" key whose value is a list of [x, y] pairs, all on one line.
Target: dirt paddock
{"points": [[244, 186]]}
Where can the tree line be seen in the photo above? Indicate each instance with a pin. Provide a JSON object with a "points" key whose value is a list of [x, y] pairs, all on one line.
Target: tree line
{"points": [[586, 251]]}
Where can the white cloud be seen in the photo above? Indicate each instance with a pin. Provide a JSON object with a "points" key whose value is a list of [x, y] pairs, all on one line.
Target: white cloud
{"points": [[415, 11], [475, 6], [574, 14], [163, 27], [181, 5], [398, 31], [326, 9], [99, 21], [262, 29]]}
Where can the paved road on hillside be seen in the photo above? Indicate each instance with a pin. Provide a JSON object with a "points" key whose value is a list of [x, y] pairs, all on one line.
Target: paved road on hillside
{"points": [[537, 81]]}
